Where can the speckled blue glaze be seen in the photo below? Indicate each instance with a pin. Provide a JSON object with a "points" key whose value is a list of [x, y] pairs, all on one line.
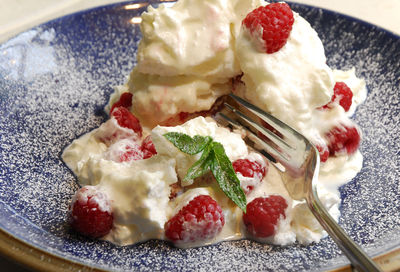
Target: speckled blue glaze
{"points": [[55, 80]]}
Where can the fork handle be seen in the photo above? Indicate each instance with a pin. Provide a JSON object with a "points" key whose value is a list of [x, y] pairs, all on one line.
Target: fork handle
{"points": [[358, 258]]}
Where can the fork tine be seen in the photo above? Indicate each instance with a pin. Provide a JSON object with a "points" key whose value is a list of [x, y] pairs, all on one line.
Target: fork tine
{"points": [[268, 118], [300, 172], [290, 147], [272, 136], [271, 152]]}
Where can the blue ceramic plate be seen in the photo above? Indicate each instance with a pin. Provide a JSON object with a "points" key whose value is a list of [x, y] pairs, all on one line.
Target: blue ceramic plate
{"points": [[55, 80]]}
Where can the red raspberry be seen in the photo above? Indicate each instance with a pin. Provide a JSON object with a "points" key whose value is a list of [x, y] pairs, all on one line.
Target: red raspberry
{"points": [[343, 139], [275, 20], [342, 95], [202, 218], [263, 213], [132, 153], [249, 169], [91, 212], [323, 152], [148, 148], [127, 120], [124, 150], [125, 100]]}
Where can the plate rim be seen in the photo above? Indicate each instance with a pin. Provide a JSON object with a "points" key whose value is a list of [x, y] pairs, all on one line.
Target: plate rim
{"points": [[33, 257], [42, 260]]}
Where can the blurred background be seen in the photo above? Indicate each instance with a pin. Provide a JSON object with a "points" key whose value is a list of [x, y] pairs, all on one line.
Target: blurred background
{"points": [[19, 15]]}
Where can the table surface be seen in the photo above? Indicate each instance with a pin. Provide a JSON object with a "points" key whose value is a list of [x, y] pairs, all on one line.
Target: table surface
{"points": [[19, 15]]}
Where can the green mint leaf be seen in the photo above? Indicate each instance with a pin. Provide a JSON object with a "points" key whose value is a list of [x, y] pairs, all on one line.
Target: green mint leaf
{"points": [[187, 144], [201, 166], [225, 175], [213, 158]]}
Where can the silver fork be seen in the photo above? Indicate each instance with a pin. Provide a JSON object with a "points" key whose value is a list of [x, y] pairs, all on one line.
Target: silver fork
{"points": [[298, 161]]}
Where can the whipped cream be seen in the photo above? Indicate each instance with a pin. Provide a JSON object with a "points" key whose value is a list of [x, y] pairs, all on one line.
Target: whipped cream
{"points": [[292, 82], [233, 143], [159, 98], [139, 190], [192, 38], [186, 58]]}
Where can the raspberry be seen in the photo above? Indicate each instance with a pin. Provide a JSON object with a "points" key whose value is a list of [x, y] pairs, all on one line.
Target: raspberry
{"points": [[323, 152], [127, 120], [343, 139], [275, 21], [91, 212], [148, 148], [124, 150], [342, 95], [132, 153], [249, 169], [263, 213], [125, 100], [202, 218]]}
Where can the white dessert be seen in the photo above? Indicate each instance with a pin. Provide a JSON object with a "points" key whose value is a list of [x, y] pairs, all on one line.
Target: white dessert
{"points": [[187, 59], [291, 83], [139, 190]]}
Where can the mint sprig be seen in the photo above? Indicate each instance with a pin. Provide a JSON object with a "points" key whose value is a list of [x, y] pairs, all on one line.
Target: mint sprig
{"points": [[202, 166], [212, 159], [187, 144]]}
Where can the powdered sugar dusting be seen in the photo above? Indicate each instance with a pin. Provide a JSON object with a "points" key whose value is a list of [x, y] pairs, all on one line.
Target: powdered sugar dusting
{"points": [[93, 196], [54, 82]]}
